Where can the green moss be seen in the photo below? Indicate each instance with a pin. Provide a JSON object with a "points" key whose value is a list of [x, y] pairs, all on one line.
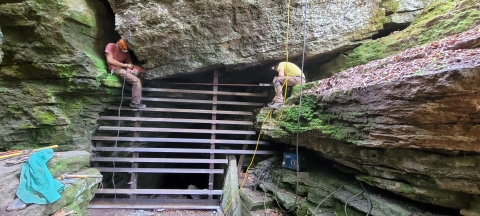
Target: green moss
{"points": [[99, 63], [309, 85], [83, 18], [27, 126], [15, 110], [46, 117], [391, 6], [441, 19], [65, 70], [59, 166], [313, 118], [112, 81]]}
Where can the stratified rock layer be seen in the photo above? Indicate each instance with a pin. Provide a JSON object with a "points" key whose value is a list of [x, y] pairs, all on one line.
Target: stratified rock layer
{"points": [[183, 36], [415, 135], [51, 72]]}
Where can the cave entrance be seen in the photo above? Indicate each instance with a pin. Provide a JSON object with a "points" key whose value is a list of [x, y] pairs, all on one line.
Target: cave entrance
{"points": [[176, 148]]}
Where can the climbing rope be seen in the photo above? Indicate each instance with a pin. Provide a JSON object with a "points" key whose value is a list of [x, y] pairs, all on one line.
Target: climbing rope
{"points": [[270, 112]]}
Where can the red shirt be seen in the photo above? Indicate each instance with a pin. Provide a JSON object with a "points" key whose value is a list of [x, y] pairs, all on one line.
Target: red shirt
{"points": [[117, 55]]}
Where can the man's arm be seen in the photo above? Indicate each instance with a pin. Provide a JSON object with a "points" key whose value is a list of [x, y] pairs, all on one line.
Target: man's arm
{"points": [[112, 61]]}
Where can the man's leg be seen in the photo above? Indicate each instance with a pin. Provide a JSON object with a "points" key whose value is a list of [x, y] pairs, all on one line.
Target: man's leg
{"points": [[277, 84], [292, 81], [278, 99], [136, 87]]}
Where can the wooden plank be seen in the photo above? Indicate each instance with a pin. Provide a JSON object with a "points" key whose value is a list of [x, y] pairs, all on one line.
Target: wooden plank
{"points": [[108, 203], [188, 91], [158, 191], [176, 140], [179, 120], [158, 170], [175, 130], [176, 100], [224, 112], [183, 150], [158, 160]]}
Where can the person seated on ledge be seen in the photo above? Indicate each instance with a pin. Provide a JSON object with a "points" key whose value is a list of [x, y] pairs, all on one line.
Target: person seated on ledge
{"points": [[295, 76], [120, 63]]}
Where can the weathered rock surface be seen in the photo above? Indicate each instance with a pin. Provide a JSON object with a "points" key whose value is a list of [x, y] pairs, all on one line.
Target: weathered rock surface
{"points": [[319, 182], [1, 41], [439, 20], [185, 36], [51, 71], [415, 135], [75, 196]]}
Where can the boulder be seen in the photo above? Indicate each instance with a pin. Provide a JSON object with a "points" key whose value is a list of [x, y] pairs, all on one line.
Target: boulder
{"points": [[75, 197]]}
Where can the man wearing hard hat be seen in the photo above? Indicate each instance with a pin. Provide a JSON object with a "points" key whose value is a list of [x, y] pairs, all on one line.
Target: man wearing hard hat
{"points": [[120, 63]]}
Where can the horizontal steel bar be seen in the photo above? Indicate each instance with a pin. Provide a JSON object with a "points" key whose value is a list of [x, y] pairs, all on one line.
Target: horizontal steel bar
{"points": [[175, 130], [158, 160], [159, 170], [177, 140], [119, 203], [179, 120], [224, 84], [158, 191], [182, 150], [200, 101], [188, 91], [225, 112]]}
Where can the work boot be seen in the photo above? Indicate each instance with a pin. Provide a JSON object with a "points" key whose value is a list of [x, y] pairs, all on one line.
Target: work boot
{"points": [[275, 105], [138, 106]]}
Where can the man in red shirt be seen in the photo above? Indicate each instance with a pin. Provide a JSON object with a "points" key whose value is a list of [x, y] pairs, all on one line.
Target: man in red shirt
{"points": [[120, 63]]}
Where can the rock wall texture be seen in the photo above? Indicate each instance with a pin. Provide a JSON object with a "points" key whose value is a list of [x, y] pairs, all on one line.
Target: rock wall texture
{"points": [[51, 71], [416, 135], [184, 36]]}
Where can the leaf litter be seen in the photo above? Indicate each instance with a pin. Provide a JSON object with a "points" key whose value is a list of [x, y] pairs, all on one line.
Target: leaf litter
{"points": [[457, 51]]}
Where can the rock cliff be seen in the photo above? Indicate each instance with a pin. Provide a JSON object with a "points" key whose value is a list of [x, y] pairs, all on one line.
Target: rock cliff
{"points": [[51, 69], [184, 36], [407, 123]]}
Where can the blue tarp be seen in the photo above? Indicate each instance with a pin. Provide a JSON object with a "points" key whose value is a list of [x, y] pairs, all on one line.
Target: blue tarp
{"points": [[36, 183]]}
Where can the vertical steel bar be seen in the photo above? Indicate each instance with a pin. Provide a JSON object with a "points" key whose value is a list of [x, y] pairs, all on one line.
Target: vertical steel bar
{"points": [[97, 154], [214, 127], [134, 176], [242, 157]]}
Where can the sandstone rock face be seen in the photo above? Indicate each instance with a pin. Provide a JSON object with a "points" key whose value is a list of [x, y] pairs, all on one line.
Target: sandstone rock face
{"points": [[185, 36], [51, 70]]}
